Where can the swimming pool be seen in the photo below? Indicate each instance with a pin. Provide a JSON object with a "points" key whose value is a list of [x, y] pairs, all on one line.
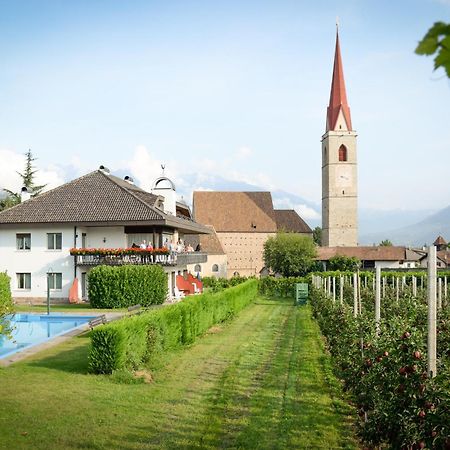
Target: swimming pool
{"points": [[33, 329]]}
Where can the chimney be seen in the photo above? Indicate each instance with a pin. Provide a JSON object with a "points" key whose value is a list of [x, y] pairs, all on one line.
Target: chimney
{"points": [[128, 179], [24, 194], [104, 169]]}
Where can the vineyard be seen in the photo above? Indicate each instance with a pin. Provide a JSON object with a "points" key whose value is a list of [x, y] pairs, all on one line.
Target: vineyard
{"points": [[383, 363]]}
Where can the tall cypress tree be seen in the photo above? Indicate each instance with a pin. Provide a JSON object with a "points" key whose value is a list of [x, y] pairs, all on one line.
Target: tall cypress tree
{"points": [[28, 175]]}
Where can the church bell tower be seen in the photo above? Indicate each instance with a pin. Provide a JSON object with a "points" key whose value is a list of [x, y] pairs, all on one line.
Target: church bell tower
{"points": [[339, 167]]}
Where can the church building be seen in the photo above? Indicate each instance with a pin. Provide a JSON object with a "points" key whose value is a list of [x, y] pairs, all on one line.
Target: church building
{"points": [[339, 166]]}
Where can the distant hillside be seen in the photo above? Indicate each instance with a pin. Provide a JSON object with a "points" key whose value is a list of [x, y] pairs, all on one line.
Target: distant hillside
{"points": [[371, 221], [423, 232]]}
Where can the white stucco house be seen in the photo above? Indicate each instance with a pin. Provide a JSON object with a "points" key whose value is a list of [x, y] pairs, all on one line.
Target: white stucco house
{"points": [[95, 211]]}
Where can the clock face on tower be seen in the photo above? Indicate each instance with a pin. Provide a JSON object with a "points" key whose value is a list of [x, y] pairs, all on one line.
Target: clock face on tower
{"points": [[344, 176]]}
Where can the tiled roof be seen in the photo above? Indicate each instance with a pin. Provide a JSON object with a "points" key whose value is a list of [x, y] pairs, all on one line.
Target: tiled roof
{"points": [[379, 253], [95, 197], [209, 243], [288, 220], [440, 241], [235, 211], [338, 96], [444, 255]]}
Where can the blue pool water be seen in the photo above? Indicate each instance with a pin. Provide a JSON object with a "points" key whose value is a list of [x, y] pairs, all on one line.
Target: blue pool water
{"points": [[32, 329]]}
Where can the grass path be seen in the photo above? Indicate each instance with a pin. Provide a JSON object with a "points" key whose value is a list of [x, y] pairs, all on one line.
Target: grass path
{"points": [[260, 381]]}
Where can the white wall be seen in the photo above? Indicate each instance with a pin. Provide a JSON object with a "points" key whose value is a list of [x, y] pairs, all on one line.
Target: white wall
{"points": [[115, 237], [395, 264], [38, 260], [206, 268]]}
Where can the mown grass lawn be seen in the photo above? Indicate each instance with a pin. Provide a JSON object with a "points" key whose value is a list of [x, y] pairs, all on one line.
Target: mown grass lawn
{"points": [[259, 381]]}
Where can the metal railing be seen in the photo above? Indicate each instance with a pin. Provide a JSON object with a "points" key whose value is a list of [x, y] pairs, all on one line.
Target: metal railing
{"points": [[175, 259]]}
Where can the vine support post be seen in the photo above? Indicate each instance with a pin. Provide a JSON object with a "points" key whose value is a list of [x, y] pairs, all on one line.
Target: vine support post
{"points": [[439, 292], [334, 289], [396, 288], [414, 283], [378, 299], [445, 288], [431, 291], [341, 289], [359, 293], [355, 294]]}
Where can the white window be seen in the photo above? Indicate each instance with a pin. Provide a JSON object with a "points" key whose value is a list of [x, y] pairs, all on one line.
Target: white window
{"points": [[23, 241], [54, 241], [23, 280], [55, 280]]}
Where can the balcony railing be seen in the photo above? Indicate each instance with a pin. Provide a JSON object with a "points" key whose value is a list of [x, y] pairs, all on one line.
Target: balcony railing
{"points": [[166, 259]]}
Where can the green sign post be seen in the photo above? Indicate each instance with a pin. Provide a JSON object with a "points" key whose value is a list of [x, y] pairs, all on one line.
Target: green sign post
{"points": [[301, 293]]}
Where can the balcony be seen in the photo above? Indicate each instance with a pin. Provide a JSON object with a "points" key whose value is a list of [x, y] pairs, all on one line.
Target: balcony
{"points": [[120, 257]]}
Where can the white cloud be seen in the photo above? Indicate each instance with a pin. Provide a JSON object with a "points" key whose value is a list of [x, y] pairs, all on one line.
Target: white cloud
{"points": [[145, 168], [304, 211], [13, 162], [244, 152]]}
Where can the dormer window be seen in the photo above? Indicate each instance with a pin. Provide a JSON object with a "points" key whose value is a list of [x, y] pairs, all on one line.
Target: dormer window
{"points": [[342, 153]]}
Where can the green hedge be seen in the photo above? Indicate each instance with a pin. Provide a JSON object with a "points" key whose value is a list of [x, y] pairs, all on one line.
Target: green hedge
{"points": [[130, 342], [120, 287], [5, 290], [280, 287], [6, 305], [217, 284]]}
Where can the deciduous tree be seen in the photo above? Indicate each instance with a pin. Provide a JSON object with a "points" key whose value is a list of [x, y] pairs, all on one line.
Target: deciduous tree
{"points": [[343, 263], [289, 254]]}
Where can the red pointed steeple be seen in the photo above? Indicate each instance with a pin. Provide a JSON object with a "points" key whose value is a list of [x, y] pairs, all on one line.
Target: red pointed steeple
{"points": [[338, 96]]}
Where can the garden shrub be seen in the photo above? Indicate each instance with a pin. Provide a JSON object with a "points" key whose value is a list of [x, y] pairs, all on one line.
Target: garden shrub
{"points": [[120, 287], [132, 341], [6, 305]]}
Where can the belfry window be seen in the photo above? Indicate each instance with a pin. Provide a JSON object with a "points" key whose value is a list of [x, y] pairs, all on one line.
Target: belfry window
{"points": [[342, 153]]}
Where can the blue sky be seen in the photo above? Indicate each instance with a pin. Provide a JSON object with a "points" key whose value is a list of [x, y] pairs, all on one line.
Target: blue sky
{"points": [[234, 89]]}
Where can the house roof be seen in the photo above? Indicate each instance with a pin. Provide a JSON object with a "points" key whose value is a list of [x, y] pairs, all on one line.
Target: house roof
{"points": [[375, 253], [444, 255], [96, 198], [209, 243], [288, 220], [235, 211], [440, 241]]}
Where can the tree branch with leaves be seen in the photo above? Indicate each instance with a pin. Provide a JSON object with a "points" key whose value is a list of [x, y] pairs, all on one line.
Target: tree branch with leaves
{"points": [[437, 42]]}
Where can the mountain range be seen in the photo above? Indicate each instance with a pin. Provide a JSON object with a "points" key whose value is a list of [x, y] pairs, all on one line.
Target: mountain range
{"points": [[418, 233], [401, 227]]}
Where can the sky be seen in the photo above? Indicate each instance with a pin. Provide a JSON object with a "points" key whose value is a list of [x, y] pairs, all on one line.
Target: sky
{"points": [[236, 89]]}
